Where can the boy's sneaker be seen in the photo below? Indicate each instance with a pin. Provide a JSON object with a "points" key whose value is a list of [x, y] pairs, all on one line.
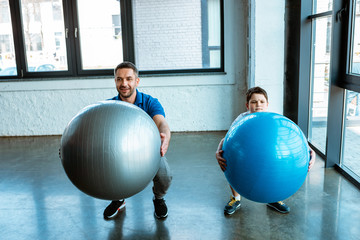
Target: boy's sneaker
{"points": [[279, 206], [232, 206], [161, 210], [111, 210]]}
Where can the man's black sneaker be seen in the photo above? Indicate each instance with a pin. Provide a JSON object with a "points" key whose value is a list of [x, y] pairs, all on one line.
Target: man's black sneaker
{"points": [[279, 206], [232, 206], [161, 210], [111, 210]]}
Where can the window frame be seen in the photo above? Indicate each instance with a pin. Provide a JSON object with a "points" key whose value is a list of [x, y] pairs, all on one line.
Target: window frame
{"points": [[340, 80], [307, 18], [312, 18], [70, 13], [349, 81]]}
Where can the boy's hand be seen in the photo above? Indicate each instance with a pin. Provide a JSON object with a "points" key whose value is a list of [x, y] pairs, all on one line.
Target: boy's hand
{"points": [[220, 159], [312, 159]]}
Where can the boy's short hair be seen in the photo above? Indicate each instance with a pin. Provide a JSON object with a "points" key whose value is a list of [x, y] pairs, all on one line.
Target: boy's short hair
{"points": [[127, 65], [258, 90]]}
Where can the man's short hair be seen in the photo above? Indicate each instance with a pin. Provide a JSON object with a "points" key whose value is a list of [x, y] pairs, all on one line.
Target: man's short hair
{"points": [[253, 90], [127, 65]]}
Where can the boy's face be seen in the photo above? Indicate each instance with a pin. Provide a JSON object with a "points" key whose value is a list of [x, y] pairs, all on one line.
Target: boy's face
{"points": [[257, 103]]}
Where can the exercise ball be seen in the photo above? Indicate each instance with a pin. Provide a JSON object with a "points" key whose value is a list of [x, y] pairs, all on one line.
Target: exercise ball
{"points": [[267, 157], [111, 150]]}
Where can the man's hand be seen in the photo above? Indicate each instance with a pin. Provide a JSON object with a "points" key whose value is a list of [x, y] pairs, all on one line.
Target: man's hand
{"points": [[164, 144], [164, 131]]}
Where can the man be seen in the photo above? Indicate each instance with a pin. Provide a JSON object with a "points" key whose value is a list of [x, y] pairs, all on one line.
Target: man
{"points": [[127, 80]]}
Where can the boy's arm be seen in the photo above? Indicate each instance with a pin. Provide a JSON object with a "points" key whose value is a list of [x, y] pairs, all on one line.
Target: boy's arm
{"points": [[219, 157]]}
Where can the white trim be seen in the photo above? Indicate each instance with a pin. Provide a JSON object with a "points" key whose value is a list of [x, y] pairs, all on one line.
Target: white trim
{"points": [[108, 83]]}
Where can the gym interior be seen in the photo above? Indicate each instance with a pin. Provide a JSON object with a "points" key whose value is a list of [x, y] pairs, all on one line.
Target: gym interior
{"points": [[198, 58]]}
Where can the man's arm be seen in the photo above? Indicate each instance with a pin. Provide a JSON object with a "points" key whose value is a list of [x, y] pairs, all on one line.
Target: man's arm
{"points": [[165, 134]]}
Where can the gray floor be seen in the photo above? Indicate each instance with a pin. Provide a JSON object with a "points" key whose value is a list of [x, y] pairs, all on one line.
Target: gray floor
{"points": [[38, 201]]}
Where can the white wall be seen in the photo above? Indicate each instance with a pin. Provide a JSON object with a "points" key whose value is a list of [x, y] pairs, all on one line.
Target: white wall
{"points": [[192, 103]]}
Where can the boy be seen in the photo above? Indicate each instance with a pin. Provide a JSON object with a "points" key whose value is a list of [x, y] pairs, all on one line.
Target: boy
{"points": [[256, 101]]}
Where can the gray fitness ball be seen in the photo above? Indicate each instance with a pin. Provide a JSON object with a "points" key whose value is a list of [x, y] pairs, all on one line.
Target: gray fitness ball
{"points": [[111, 150]]}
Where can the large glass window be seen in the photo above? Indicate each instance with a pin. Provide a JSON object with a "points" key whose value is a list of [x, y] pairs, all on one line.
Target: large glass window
{"points": [[177, 34], [44, 35], [7, 50], [334, 101], [56, 38], [214, 40], [320, 82], [350, 160], [355, 43], [321, 6], [100, 34], [351, 135]]}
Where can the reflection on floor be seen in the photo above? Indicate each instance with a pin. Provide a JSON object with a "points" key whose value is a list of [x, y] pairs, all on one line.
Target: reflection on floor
{"points": [[37, 200]]}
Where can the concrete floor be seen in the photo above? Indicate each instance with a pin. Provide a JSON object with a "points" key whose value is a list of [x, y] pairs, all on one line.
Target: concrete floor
{"points": [[38, 201]]}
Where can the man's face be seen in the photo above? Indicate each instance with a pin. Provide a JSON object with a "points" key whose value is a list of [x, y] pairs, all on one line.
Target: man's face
{"points": [[257, 103], [126, 82]]}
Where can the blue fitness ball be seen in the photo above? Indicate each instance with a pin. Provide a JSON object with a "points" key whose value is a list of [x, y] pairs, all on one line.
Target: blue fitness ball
{"points": [[267, 157]]}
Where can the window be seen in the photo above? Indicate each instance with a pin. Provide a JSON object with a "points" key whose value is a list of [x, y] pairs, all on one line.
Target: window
{"points": [[116, 25], [350, 156], [321, 6], [89, 37], [98, 47], [351, 136], [182, 35], [4, 12], [44, 36], [320, 68], [355, 46], [332, 29], [335, 133], [7, 49]]}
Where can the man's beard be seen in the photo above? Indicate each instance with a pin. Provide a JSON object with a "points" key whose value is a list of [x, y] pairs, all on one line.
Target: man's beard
{"points": [[127, 95]]}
